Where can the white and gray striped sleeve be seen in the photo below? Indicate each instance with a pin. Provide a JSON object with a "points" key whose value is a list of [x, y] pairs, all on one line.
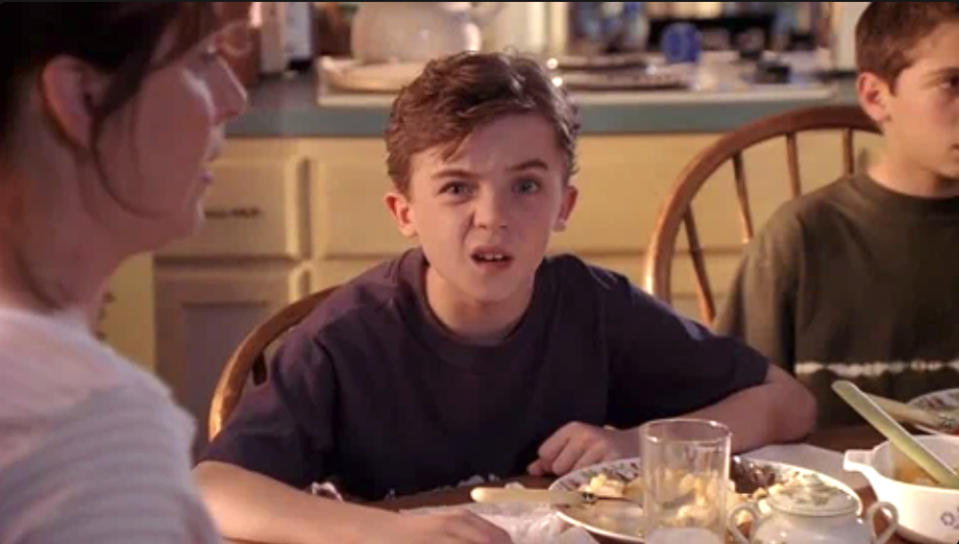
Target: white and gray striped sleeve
{"points": [[116, 469]]}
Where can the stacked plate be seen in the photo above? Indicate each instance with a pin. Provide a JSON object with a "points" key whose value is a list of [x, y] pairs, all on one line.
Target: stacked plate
{"points": [[351, 75]]}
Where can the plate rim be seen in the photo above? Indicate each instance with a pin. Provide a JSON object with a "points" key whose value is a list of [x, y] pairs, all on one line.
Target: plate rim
{"points": [[918, 398], [349, 74], [587, 526]]}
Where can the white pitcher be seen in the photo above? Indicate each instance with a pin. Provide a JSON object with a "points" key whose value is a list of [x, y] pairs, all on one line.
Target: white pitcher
{"points": [[417, 31]]}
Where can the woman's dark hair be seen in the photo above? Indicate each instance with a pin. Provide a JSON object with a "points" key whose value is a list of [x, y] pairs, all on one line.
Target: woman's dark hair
{"points": [[115, 37]]}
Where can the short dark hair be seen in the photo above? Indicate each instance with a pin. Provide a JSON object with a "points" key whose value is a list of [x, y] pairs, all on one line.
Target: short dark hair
{"points": [[456, 94], [888, 32], [119, 38]]}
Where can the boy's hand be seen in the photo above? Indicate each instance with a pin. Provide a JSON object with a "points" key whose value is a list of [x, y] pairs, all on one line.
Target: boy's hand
{"points": [[456, 527], [577, 445]]}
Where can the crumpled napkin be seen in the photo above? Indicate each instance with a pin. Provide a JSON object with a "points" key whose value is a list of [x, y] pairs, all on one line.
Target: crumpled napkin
{"points": [[526, 523]]}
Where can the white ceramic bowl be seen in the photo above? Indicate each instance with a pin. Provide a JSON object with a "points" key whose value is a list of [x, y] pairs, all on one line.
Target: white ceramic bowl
{"points": [[926, 514]]}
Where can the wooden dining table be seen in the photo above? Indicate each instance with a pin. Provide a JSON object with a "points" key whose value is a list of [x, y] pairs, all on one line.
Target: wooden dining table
{"points": [[839, 439]]}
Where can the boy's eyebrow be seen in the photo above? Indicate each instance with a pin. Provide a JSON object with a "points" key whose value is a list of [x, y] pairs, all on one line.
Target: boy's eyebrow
{"points": [[453, 173], [532, 163], [946, 71]]}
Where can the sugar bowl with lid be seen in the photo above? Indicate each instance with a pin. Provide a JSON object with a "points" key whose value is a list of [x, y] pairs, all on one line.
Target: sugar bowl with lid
{"points": [[805, 509]]}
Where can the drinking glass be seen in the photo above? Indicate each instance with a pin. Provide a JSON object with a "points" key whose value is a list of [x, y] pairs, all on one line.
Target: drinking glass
{"points": [[685, 471]]}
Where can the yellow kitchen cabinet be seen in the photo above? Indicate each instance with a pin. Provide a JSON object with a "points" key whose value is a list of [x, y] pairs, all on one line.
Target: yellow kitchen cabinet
{"points": [[126, 319]]}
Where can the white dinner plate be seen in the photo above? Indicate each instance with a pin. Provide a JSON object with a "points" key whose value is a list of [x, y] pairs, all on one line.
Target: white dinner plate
{"points": [[351, 75], [946, 399], [622, 520]]}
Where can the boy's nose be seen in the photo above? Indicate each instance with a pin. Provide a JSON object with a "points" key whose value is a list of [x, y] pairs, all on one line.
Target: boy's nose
{"points": [[491, 212]]}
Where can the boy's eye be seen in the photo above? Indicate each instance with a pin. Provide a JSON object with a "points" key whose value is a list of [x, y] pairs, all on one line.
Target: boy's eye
{"points": [[528, 186], [455, 188], [951, 83]]}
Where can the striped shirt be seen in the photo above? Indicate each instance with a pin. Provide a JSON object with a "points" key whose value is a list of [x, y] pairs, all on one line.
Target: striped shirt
{"points": [[92, 449]]}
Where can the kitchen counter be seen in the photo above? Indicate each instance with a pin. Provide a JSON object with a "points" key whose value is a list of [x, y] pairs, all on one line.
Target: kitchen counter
{"points": [[288, 107]]}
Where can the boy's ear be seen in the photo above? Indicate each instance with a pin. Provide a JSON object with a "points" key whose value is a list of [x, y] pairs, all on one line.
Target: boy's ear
{"points": [[70, 87], [402, 212], [873, 94], [570, 193]]}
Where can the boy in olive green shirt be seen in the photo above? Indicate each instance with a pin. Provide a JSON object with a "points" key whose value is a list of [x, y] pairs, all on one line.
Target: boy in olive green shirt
{"points": [[860, 280]]}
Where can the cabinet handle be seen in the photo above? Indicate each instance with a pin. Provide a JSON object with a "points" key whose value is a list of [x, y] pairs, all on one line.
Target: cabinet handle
{"points": [[250, 212]]}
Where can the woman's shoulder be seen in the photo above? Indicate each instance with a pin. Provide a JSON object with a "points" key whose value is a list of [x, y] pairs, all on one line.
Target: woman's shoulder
{"points": [[48, 368], [117, 456], [60, 408]]}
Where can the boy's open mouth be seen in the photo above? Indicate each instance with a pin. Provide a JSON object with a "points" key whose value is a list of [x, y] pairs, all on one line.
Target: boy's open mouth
{"points": [[491, 256]]}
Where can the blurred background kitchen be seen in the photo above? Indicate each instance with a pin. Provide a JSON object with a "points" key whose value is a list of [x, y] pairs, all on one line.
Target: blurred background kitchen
{"points": [[297, 201]]}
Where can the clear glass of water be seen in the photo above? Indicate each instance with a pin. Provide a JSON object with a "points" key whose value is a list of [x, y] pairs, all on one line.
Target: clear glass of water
{"points": [[685, 471]]}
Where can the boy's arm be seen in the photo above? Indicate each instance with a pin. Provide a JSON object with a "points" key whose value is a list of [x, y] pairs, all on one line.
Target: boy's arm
{"points": [[778, 410], [664, 365], [250, 506], [277, 441]]}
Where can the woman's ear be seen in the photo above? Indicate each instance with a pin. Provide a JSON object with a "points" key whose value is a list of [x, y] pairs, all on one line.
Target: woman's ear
{"points": [[70, 89]]}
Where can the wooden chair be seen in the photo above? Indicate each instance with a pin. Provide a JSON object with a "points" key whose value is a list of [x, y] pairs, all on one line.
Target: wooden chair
{"points": [[249, 358], [678, 209]]}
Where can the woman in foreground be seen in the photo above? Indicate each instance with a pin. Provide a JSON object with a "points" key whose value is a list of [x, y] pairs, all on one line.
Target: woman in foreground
{"points": [[109, 116]]}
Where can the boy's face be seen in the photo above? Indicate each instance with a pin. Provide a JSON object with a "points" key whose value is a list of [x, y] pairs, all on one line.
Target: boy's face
{"points": [[484, 216], [920, 118]]}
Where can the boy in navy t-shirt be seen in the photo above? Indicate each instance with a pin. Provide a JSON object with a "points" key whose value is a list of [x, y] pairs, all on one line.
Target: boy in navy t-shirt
{"points": [[473, 354]]}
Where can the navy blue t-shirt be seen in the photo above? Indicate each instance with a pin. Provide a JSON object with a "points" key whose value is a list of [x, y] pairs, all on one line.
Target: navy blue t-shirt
{"points": [[373, 392]]}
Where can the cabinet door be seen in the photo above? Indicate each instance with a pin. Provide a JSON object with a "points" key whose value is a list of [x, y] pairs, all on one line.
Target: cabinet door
{"points": [[203, 313]]}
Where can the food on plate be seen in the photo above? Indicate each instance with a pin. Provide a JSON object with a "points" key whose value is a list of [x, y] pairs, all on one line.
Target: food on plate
{"points": [[612, 485], [690, 497], [806, 489], [693, 495], [620, 517]]}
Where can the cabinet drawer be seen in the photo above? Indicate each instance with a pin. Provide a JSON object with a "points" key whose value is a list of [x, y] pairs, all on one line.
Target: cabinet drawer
{"points": [[349, 218], [256, 208]]}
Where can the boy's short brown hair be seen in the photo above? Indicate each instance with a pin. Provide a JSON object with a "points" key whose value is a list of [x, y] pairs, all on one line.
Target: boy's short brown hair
{"points": [[888, 32], [456, 94]]}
